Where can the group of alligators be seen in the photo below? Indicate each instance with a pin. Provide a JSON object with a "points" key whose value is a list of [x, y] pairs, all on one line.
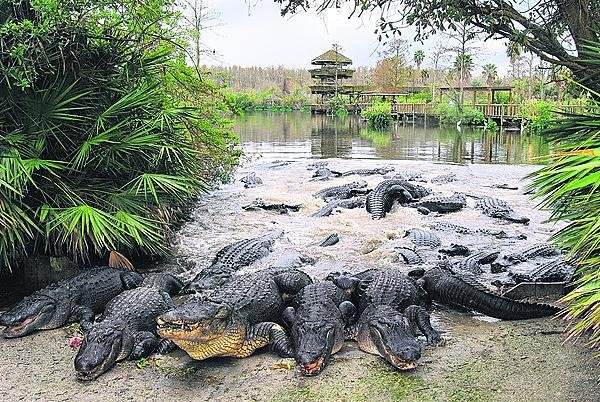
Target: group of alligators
{"points": [[232, 314]]}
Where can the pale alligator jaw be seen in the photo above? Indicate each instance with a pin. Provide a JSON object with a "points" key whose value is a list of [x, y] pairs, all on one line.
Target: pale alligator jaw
{"points": [[311, 369], [17, 330]]}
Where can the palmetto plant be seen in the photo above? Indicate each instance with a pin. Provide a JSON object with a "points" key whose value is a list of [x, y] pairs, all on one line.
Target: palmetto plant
{"points": [[96, 154], [569, 188]]}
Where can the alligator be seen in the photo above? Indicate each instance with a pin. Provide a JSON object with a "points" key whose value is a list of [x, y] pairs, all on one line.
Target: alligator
{"points": [[409, 256], [344, 191], [409, 175], [423, 238], [390, 309], [497, 208], [316, 319], [279, 163], [330, 240], [324, 174], [349, 203], [283, 209], [233, 257], [77, 298], [455, 249], [536, 250], [381, 199], [127, 327], [238, 318], [504, 186], [441, 204], [316, 165], [445, 178], [447, 226], [251, 180], [465, 291], [369, 172], [473, 262], [556, 270]]}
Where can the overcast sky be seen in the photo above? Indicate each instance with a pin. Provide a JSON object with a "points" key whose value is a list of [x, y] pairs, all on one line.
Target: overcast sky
{"points": [[257, 35]]}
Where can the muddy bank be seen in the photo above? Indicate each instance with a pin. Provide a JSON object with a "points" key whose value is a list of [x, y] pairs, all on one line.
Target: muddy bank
{"points": [[484, 359]]}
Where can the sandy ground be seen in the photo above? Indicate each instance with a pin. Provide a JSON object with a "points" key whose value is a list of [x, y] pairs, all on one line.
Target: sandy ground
{"points": [[484, 359]]}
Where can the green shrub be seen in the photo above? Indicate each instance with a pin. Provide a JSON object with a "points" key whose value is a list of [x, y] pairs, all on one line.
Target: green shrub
{"points": [[451, 114], [378, 115], [105, 133], [420, 97], [540, 114]]}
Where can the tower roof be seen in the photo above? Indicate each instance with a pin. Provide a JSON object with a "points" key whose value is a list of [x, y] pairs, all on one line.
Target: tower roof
{"points": [[331, 57]]}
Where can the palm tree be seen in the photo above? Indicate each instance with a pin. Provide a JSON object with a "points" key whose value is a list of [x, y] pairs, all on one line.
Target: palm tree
{"points": [[418, 57], [424, 76], [490, 72], [463, 65]]}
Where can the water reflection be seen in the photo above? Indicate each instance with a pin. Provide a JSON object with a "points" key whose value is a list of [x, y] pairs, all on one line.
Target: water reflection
{"points": [[300, 135]]}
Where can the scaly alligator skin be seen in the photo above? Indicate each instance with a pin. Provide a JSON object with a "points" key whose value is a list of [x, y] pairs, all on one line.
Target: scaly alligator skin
{"points": [[369, 172], [251, 180], [557, 270], [473, 262], [127, 327], [382, 198], [466, 291], [445, 178], [448, 226], [324, 174], [409, 256], [76, 298], [317, 165], [423, 238], [389, 308], [330, 240], [233, 257], [341, 192], [409, 175], [349, 203], [238, 318], [528, 253], [317, 318], [455, 249], [497, 208], [441, 204], [283, 209]]}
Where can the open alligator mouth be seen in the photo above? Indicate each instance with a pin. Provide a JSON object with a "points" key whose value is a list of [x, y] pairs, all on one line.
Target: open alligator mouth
{"points": [[15, 330], [312, 368], [401, 364]]}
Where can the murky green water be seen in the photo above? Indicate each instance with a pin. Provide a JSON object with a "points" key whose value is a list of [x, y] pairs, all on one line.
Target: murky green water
{"points": [[300, 135]]}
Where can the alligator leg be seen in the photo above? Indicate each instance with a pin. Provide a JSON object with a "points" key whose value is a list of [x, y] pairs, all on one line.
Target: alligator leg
{"points": [[165, 346], [291, 282], [144, 345], [419, 317], [82, 314], [263, 334]]}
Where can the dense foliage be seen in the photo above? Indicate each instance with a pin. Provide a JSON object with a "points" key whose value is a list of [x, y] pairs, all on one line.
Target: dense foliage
{"points": [[105, 133], [267, 100], [378, 115]]}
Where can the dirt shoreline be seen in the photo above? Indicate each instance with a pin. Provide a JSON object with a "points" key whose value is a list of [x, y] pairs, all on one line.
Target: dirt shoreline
{"points": [[484, 359]]}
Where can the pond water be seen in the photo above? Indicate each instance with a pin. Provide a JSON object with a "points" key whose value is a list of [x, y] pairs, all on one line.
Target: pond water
{"points": [[300, 135]]}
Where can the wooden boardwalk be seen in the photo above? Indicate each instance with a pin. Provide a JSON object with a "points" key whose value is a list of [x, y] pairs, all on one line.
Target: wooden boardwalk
{"points": [[503, 113]]}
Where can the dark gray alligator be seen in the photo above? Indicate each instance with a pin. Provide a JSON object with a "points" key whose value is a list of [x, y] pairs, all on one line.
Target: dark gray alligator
{"points": [[448, 226], [72, 299], [382, 198], [251, 180], [390, 311], [316, 165], [497, 208], [409, 175], [317, 318], [473, 262], [423, 238], [283, 209], [369, 172], [441, 203], [238, 318], [408, 255], [330, 240], [127, 327], [556, 270], [455, 249], [324, 173], [445, 178], [349, 203], [536, 250], [464, 290], [233, 257], [344, 191]]}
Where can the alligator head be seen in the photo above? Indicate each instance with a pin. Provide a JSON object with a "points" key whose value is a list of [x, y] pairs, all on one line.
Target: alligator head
{"points": [[385, 332], [38, 311], [198, 325], [104, 344], [208, 280], [316, 340]]}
